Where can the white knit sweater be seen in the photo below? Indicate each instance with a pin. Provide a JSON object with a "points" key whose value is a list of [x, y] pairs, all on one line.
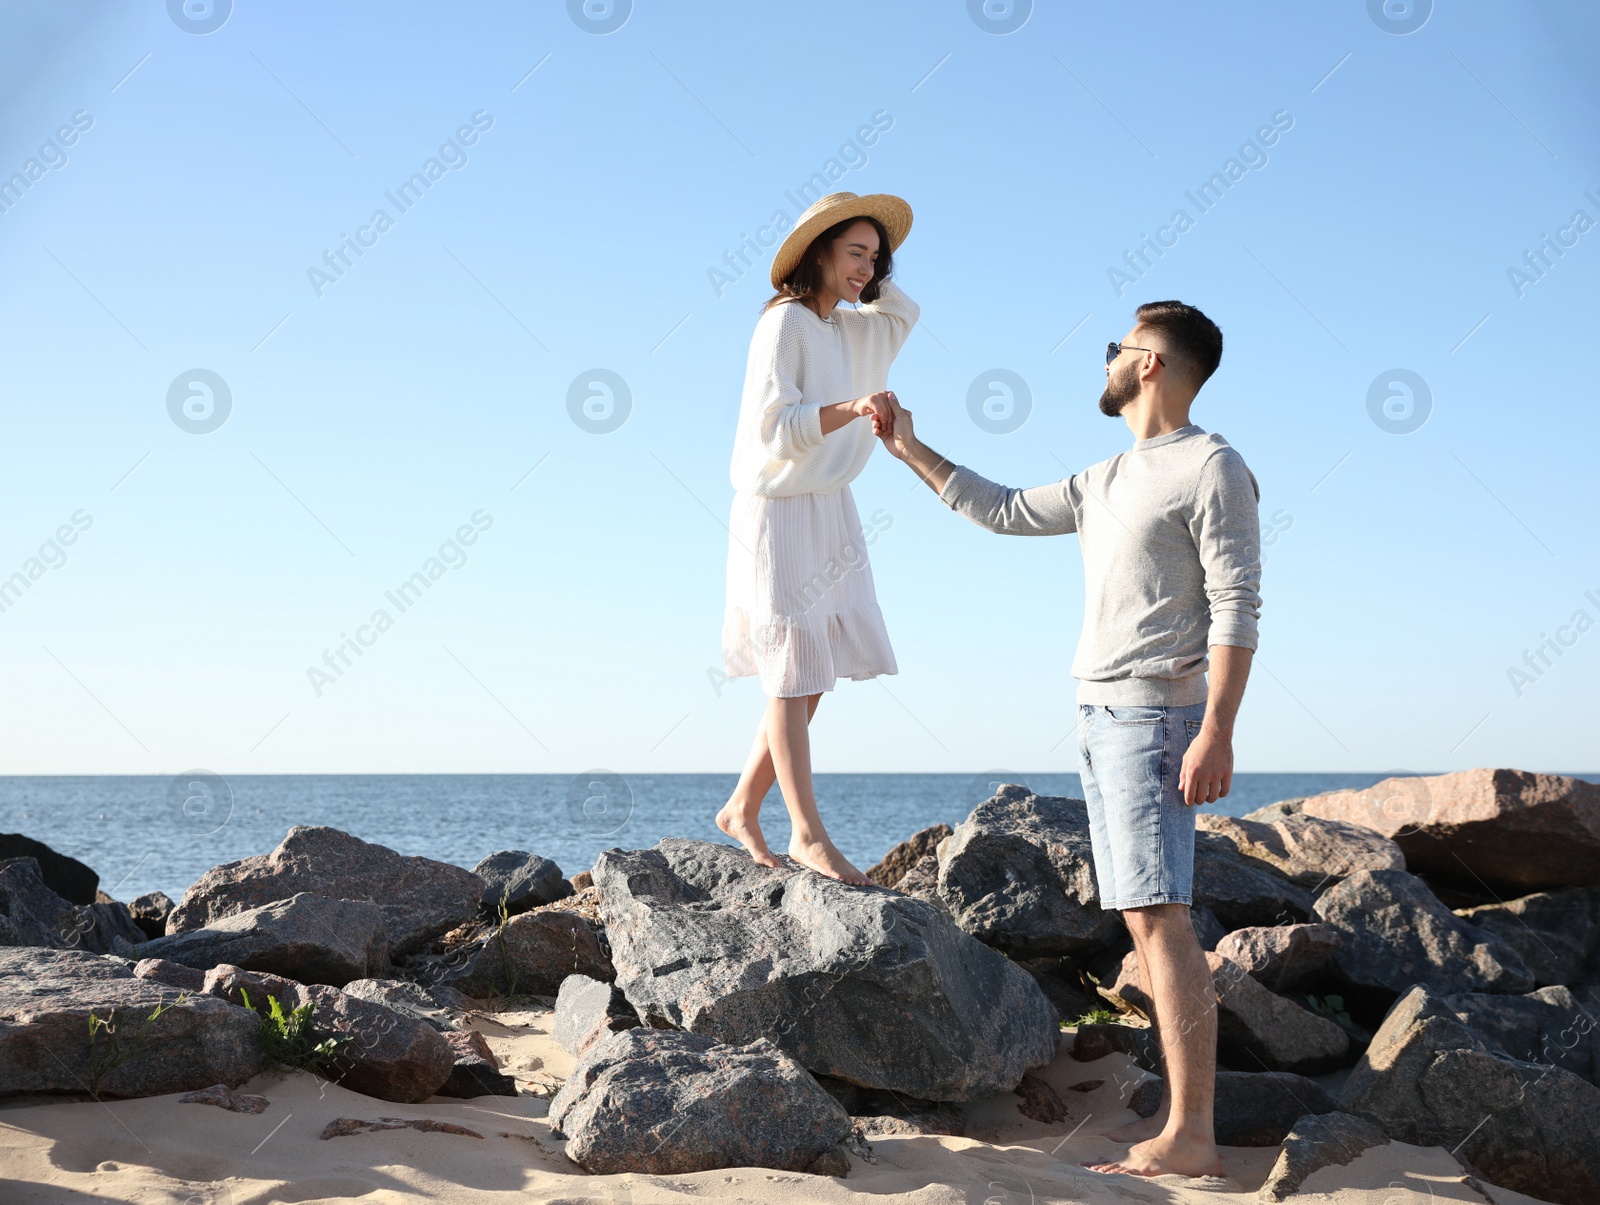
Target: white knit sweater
{"points": [[798, 364]]}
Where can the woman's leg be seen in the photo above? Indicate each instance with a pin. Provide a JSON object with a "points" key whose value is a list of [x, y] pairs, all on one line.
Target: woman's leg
{"points": [[740, 816], [789, 739]]}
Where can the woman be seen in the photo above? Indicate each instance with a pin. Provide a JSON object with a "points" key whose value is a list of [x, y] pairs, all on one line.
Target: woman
{"points": [[801, 609]]}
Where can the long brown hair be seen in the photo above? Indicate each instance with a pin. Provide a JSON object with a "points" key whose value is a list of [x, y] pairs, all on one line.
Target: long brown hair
{"points": [[806, 279]]}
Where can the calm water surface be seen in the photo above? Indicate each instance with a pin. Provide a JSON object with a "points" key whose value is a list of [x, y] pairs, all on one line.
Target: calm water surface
{"points": [[147, 833]]}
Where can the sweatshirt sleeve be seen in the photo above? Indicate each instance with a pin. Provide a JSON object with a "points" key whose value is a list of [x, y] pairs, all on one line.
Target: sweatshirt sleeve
{"points": [[880, 328], [1226, 526], [786, 426], [1043, 510]]}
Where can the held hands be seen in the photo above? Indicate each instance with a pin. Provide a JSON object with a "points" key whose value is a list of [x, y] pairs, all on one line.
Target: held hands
{"points": [[877, 407], [897, 435]]}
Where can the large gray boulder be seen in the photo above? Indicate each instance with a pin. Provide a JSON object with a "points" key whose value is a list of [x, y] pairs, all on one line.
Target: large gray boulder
{"points": [[307, 937], [1251, 1108], [1318, 1141], [859, 983], [1395, 933], [437, 1005], [421, 898], [31, 914], [1555, 933], [1309, 850], [1244, 891], [1529, 832], [516, 880], [383, 1053], [1427, 1079], [1550, 1026], [1017, 875], [1282, 957], [47, 998], [662, 1103], [67, 877], [529, 955], [1256, 1028]]}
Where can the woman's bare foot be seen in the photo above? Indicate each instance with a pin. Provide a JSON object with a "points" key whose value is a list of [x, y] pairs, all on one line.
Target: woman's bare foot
{"points": [[822, 857], [1167, 1155], [743, 828], [1143, 1129]]}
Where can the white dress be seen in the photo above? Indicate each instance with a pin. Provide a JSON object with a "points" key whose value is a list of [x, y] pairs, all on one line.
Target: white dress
{"points": [[801, 609]]}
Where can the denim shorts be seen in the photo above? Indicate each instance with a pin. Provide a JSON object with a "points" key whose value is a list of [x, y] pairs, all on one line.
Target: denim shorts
{"points": [[1141, 831]]}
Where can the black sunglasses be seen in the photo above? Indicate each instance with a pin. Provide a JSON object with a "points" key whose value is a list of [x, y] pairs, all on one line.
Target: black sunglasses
{"points": [[1113, 350]]}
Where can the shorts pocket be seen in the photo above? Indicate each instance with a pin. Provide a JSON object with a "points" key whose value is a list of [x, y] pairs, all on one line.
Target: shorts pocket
{"points": [[1133, 717], [1192, 727]]}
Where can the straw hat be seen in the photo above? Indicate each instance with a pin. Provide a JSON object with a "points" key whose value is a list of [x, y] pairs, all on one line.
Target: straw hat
{"points": [[894, 213]]}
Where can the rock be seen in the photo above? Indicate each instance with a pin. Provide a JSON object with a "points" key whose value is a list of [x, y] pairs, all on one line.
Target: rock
{"points": [[1428, 1080], [1395, 933], [67, 877], [384, 1054], [1017, 875], [1252, 1108], [943, 1121], [1208, 930], [173, 974], [587, 1010], [1142, 1045], [530, 955], [48, 996], [306, 937], [1040, 1101], [107, 927], [421, 898], [225, 1097], [1555, 933], [1282, 957], [1241, 891], [922, 881], [31, 914], [892, 868], [519, 881], [1306, 849], [477, 1070], [434, 1004], [1529, 832], [150, 912], [860, 983], [1277, 811], [1255, 1027], [1258, 1028], [1315, 1142], [1547, 1026], [343, 1127], [662, 1103]]}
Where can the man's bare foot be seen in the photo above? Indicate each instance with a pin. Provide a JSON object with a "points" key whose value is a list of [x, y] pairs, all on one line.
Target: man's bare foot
{"points": [[744, 829], [1167, 1155], [822, 857], [1144, 1128]]}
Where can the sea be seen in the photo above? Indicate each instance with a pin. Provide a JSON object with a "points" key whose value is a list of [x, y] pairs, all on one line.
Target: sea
{"points": [[149, 833]]}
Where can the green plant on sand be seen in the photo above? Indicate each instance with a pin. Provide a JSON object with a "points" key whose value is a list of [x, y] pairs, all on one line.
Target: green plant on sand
{"points": [[287, 1038]]}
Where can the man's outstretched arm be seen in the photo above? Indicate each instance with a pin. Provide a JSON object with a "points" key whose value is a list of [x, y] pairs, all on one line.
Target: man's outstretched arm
{"points": [[1045, 510]]}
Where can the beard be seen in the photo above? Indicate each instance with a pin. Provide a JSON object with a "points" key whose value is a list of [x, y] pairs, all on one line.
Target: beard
{"points": [[1121, 388]]}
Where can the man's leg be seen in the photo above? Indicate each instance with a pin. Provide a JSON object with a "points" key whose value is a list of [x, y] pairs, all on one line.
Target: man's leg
{"points": [[1179, 984]]}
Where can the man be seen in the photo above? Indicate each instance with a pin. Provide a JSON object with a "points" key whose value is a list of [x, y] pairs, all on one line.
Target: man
{"points": [[1172, 565]]}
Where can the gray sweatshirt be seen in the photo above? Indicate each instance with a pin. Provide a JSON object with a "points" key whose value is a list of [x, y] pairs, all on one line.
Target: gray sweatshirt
{"points": [[1171, 542]]}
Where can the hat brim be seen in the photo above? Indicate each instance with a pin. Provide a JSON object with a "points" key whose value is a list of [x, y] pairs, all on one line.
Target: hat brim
{"points": [[891, 211]]}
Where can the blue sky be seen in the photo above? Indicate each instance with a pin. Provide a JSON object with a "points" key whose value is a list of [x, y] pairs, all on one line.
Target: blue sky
{"points": [[375, 419]]}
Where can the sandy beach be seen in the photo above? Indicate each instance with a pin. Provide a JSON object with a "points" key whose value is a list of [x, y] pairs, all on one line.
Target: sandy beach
{"points": [[157, 1151]]}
